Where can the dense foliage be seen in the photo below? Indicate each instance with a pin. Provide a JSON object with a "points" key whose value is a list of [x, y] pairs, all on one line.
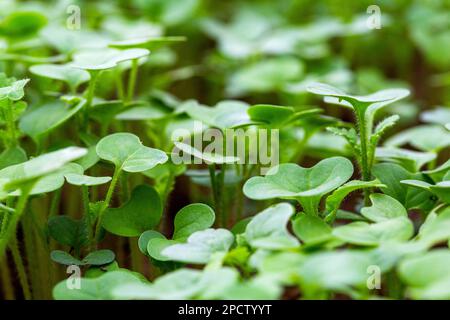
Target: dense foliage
{"points": [[356, 203]]}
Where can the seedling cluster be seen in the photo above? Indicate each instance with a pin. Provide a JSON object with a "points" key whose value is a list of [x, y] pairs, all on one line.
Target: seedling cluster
{"points": [[356, 206]]}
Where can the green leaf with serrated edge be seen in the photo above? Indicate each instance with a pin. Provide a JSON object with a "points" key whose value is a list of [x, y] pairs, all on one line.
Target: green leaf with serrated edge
{"points": [[67, 231], [334, 200], [15, 91]]}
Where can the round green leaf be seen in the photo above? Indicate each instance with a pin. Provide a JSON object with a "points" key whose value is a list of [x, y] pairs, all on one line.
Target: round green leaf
{"points": [[142, 212], [192, 218], [127, 153], [267, 230], [200, 246], [72, 76]]}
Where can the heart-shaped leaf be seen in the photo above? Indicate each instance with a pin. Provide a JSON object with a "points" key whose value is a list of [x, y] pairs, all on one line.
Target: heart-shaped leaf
{"points": [[307, 185], [127, 153], [383, 208], [67, 231], [70, 75], [368, 105], [142, 212], [53, 181], [267, 230], [200, 246], [190, 219]]}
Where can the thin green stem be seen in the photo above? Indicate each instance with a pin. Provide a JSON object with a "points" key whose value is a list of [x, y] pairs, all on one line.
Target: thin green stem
{"points": [[54, 205], [12, 225], [212, 175], [119, 85], [23, 278], [132, 79], [31, 248], [87, 216], [90, 97], [364, 141], [221, 198], [10, 124], [107, 201]]}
